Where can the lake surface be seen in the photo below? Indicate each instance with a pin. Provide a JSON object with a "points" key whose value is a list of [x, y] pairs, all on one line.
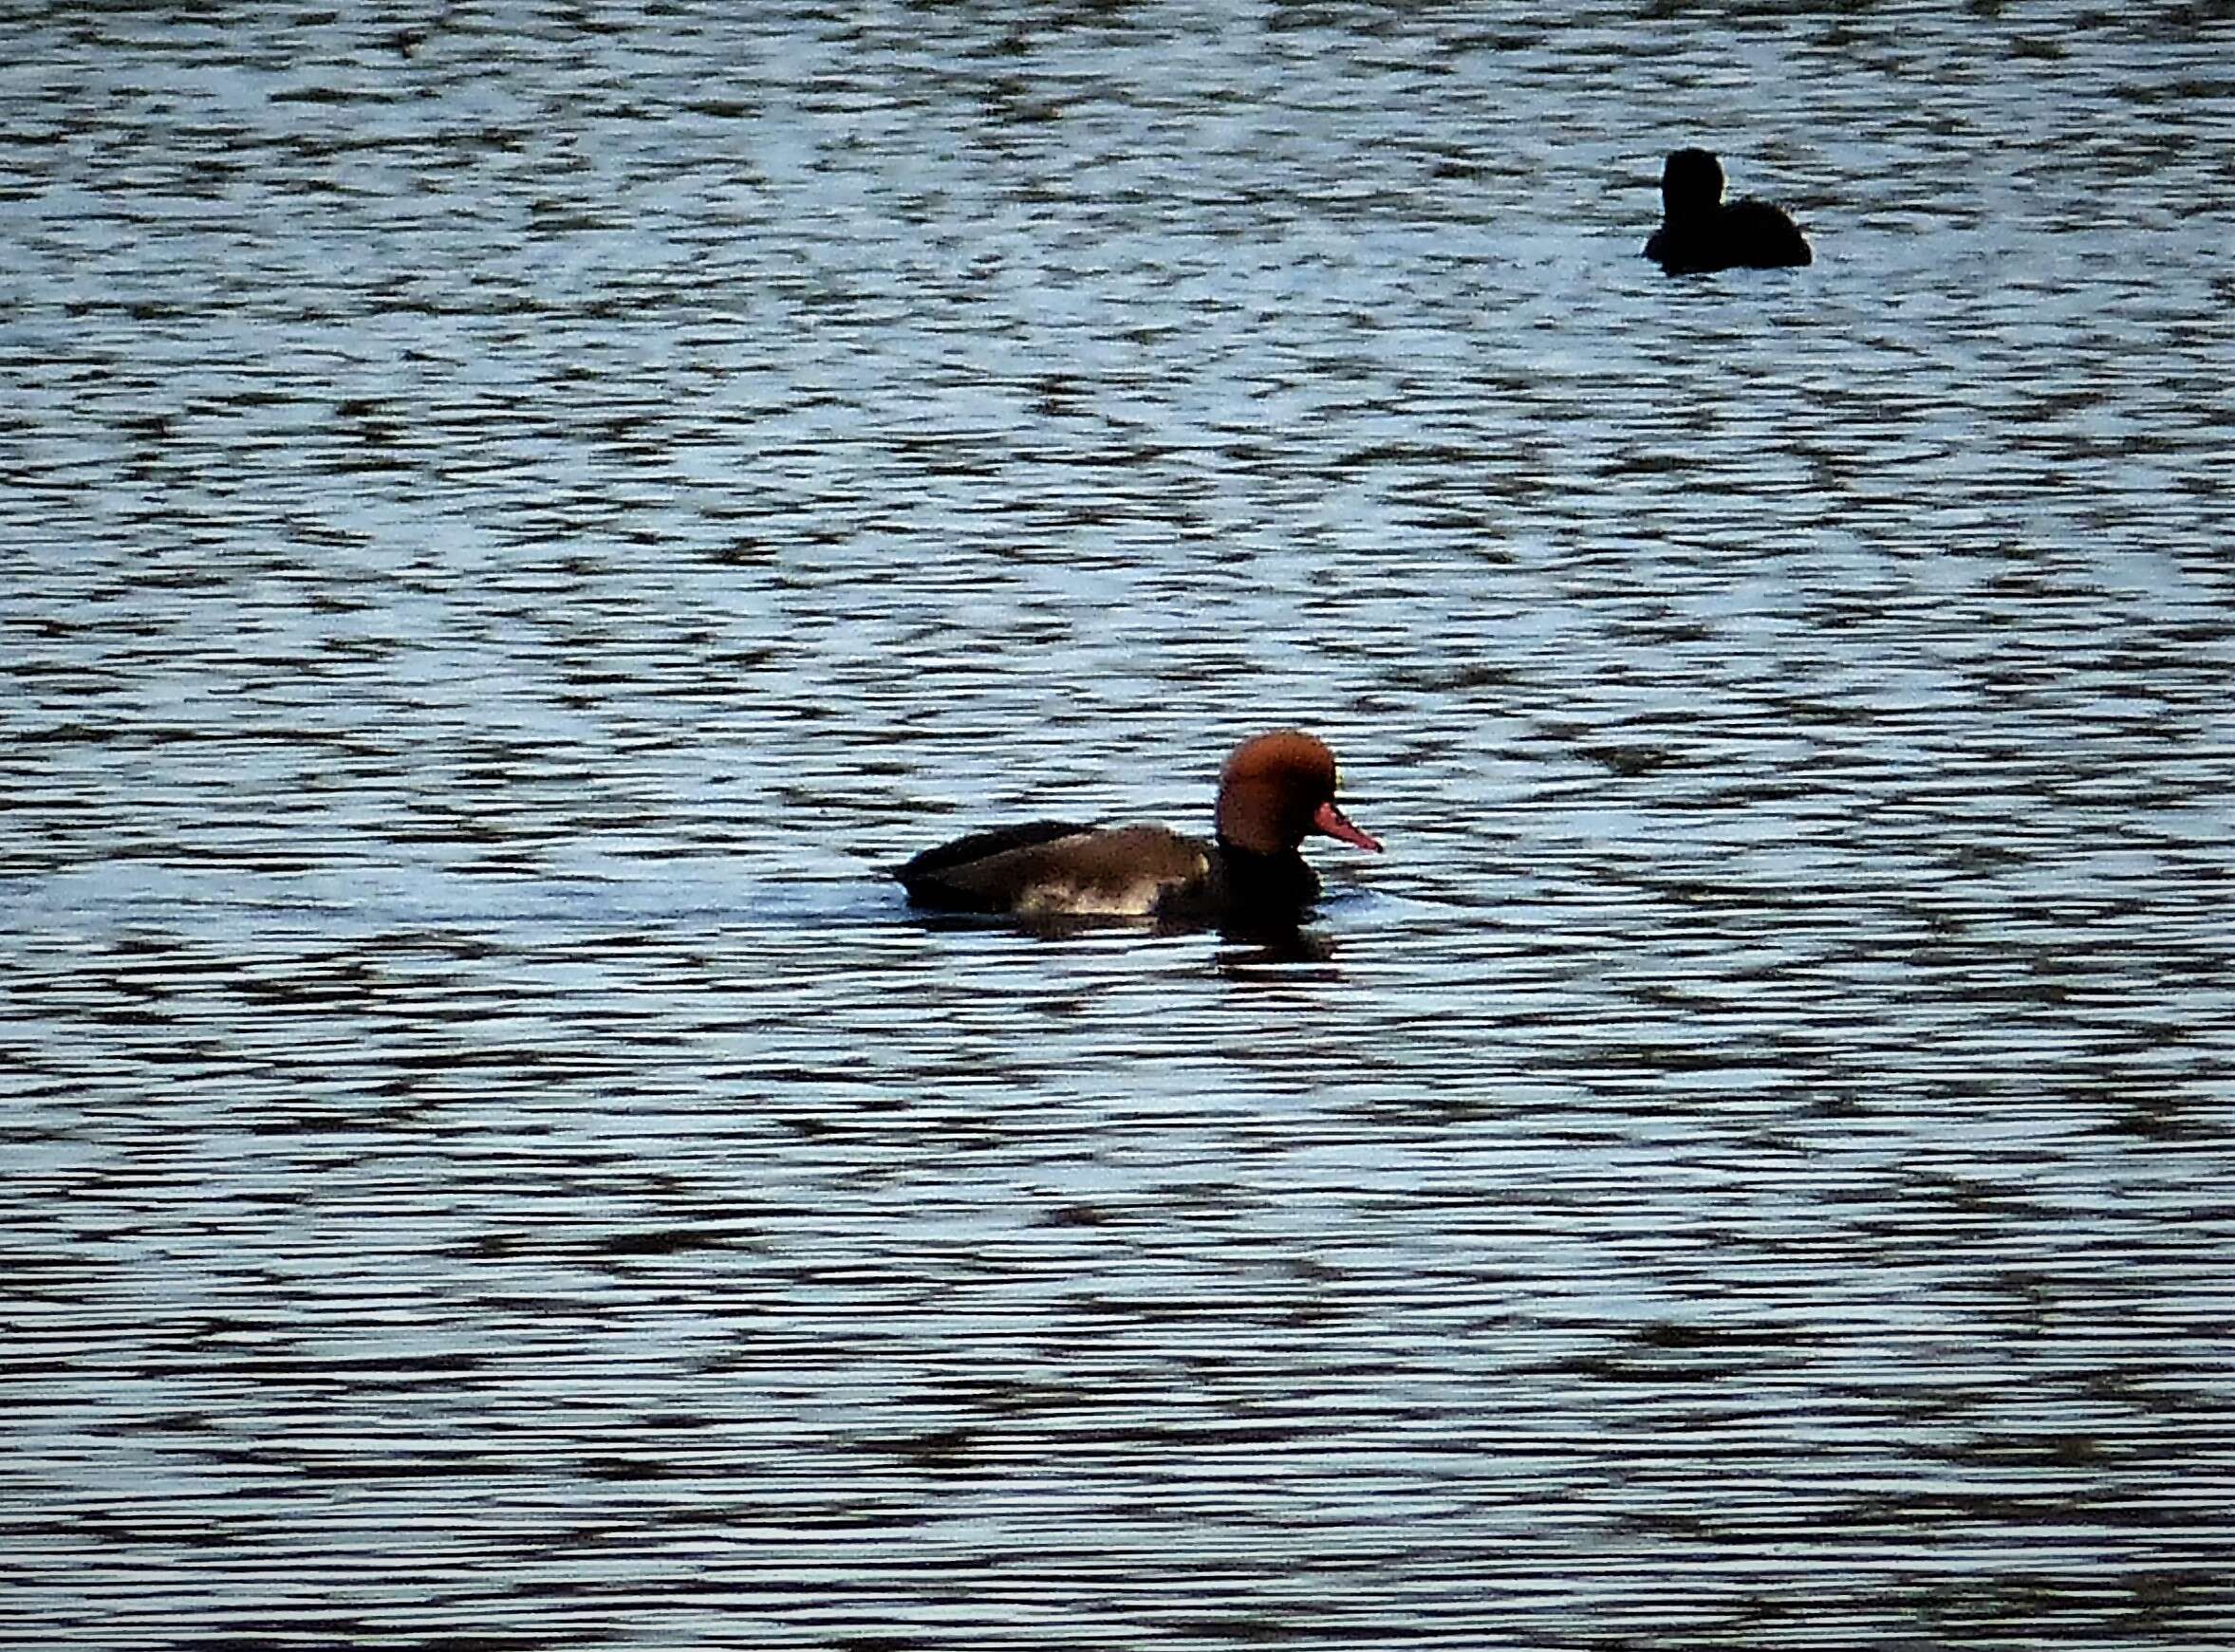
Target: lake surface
{"points": [[515, 520]]}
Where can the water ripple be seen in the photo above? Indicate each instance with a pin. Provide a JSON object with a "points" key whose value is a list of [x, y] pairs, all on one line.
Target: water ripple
{"points": [[519, 516]]}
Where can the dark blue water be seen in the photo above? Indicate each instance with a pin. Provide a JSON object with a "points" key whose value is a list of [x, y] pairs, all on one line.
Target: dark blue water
{"points": [[515, 518]]}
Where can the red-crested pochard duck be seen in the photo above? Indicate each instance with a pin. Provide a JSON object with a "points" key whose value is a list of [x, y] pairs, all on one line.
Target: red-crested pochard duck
{"points": [[1274, 791]]}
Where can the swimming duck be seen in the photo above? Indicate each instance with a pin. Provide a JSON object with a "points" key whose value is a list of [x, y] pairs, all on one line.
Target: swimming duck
{"points": [[1274, 791], [1699, 233]]}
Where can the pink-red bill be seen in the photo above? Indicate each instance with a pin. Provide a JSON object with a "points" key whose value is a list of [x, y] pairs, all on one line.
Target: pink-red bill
{"points": [[1331, 821]]}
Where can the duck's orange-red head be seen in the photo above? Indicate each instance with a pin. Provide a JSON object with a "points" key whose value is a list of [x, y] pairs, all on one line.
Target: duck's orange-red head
{"points": [[1279, 788]]}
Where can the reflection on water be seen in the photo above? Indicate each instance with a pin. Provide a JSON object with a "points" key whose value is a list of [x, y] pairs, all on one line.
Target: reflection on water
{"points": [[519, 520], [1251, 952]]}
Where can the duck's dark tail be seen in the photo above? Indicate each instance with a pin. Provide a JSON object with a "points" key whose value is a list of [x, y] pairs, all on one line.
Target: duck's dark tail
{"points": [[923, 877]]}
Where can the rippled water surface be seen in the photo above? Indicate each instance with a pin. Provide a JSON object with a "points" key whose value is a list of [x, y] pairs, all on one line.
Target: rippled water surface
{"points": [[515, 518]]}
